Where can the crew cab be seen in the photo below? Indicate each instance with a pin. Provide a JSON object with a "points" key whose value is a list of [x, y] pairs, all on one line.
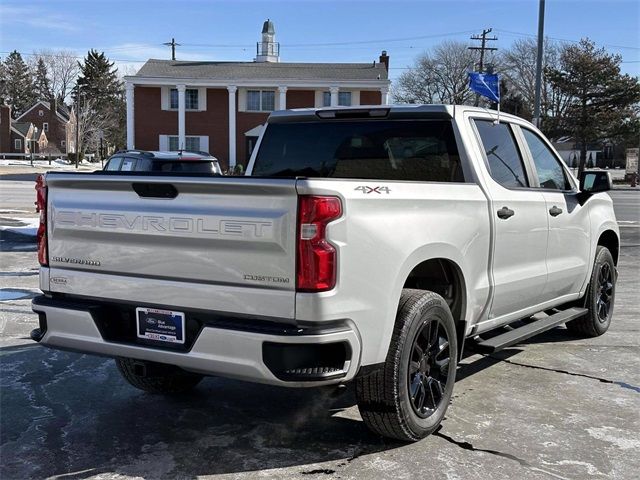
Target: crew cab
{"points": [[366, 244]]}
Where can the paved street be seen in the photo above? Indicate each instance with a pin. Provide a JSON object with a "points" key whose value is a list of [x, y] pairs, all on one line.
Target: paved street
{"points": [[555, 407]]}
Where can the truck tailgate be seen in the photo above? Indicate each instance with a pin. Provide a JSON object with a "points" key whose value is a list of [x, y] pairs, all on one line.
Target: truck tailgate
{"points": [[223, 244]]}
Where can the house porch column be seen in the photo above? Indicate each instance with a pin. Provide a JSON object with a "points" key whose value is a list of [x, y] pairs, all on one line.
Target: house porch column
{"points": [[282, 90], [181, 117], [130, 116], [334, 96], [385, 95], [232, 125]]}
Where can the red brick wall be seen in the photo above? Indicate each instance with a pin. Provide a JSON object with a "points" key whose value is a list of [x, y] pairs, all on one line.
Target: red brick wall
{"points": [[370, 98], [57, 127], [150, 120], [5, 129], [301, 98]]}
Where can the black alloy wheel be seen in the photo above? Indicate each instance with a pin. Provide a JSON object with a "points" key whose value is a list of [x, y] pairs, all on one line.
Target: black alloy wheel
{"points": [[428, 368], [605, 292]]}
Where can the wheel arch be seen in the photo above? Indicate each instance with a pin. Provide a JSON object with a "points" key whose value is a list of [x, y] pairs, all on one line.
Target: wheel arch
{"points": [[610, 240]]}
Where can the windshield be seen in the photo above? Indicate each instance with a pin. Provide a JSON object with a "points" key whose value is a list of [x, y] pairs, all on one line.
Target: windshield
{"points": [[423, 150]]}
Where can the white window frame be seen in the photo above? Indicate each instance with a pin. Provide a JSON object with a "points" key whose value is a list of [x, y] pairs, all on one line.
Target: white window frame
{"points": [[45, 126], [17, 144], [41, 113], [261, 92]]}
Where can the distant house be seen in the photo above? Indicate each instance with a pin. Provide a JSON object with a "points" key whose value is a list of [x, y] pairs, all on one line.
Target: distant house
{"points": [[56, 121], [220, 107], [20, 137]]}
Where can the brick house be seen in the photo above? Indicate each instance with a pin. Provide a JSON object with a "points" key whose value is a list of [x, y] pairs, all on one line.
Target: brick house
{"points": [[220, 107], [56, 121], [20, 137]]}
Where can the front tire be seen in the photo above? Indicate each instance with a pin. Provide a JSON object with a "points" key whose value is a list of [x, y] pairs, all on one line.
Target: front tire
{"points": [[408, 396], [599, 298], [156, 377]]}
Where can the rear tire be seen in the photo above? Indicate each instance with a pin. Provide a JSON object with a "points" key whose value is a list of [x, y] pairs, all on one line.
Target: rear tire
{"points": [[156, 377], [408, 396], [599, 298]]}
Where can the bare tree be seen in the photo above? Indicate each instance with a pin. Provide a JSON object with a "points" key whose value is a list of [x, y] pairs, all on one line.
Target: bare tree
{"points": [[519, 71], [438, 76], [62, 67], [92, 125]]}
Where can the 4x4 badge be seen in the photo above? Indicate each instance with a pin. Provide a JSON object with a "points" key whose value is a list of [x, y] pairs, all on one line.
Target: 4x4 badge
{"points": [[368, 189]]}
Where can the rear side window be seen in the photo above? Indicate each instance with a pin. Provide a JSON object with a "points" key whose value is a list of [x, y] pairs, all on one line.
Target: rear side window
{"points": [[375, 149], [128, 165], [550, 173], [114, 164], [505, 161]]}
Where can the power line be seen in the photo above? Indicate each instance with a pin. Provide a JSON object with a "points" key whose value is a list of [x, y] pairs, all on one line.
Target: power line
{"points": [[522, 34]]}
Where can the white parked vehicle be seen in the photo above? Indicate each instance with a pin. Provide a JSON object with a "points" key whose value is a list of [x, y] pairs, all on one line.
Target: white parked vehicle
{"points": [[365, 244]]}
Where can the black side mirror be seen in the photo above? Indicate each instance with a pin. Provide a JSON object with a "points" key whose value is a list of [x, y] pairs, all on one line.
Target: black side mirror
{"points": [[594, 181]]}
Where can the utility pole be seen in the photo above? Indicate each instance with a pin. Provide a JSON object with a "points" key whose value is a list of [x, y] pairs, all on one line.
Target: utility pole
{"points": [[173, 46], [483, 48], [78, 128], [536, 106]]}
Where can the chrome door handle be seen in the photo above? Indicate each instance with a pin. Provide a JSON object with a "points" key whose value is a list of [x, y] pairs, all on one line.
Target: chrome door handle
{"points": [[505, 212], [555, 211]]}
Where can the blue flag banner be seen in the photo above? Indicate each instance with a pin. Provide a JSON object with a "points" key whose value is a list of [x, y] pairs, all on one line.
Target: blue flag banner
{"points": [[487, 85]]}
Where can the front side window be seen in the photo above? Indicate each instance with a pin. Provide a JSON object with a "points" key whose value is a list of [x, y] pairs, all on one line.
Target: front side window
{"points": [[505, 161], [45, 127], [550, 173], [261, 100], [173, 144], [374, 149], [18, 144], [326, 99]]}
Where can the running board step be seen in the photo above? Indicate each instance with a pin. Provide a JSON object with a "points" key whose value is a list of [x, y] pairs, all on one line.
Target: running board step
{"points": [[529, 330]]}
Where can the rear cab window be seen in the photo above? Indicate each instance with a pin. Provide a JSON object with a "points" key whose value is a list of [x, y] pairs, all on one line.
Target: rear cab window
{"points": [[417, 150]]}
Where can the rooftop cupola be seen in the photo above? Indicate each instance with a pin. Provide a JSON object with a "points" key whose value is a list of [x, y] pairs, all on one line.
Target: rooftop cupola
{"points": [[268, 50]]}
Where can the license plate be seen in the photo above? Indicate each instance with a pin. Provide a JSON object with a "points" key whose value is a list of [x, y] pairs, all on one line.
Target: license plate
{"points": [[160, 325]]}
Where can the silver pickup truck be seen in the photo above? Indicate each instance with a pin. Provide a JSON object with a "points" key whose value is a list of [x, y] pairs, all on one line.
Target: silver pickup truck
{"points": [[364, 244]]}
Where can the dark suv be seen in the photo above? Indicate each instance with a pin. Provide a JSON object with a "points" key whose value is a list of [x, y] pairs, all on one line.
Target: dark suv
{"points": [[163, 162]]}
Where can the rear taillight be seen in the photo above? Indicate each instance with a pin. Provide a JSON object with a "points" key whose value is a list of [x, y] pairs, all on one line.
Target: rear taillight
{"points": [[41, 206], [317, 258]]}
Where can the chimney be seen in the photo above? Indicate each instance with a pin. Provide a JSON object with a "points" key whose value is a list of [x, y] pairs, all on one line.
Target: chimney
{"points": [[384, 58]]}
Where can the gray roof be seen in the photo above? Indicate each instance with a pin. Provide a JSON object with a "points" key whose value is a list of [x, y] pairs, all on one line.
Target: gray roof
{"points": [[235, 71], [62, 109], [22, 127]]}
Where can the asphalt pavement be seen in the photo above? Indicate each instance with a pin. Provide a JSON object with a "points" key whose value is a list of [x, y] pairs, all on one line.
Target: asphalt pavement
{"points": [[556, 406]]}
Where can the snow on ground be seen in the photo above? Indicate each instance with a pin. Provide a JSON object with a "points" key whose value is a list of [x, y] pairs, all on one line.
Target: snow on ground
{"points": [[22, 225], [55, 163]]}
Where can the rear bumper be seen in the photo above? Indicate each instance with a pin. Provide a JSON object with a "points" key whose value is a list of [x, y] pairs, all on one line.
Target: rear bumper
{"points": [[288, 357]]}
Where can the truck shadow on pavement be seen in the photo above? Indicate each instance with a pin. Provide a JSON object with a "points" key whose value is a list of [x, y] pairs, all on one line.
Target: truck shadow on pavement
{"points": [[70, 414]]}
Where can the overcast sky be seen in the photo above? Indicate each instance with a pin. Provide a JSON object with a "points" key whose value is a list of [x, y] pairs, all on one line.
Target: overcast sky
{"points": [[131, 31]]}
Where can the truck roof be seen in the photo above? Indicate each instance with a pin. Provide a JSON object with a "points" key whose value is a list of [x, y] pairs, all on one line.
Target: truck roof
{"points": [[379, 111]]}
